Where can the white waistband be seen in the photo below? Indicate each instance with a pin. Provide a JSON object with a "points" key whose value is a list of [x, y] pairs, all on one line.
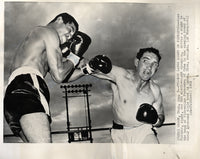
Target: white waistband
{"points": [[24, 70]]}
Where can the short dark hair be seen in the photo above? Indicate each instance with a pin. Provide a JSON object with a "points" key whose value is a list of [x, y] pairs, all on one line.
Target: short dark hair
{"points": [[149, 49], [67, 18]]}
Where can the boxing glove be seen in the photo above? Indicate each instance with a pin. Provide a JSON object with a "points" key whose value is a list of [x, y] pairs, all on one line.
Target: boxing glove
{"points": [[78, 45], [147, 113], [99, 62]]}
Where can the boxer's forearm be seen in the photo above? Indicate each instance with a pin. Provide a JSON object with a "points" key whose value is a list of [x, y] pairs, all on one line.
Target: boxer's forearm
{"points": [[61, 72], [76, 75], [111, 76], [103, 76]]}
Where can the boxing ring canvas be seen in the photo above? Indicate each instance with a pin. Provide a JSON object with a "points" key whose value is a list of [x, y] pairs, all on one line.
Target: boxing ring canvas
{"points": [[117, 30]]}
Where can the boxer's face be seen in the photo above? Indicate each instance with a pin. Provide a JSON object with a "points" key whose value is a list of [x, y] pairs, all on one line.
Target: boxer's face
{"points": [[147, 65], [65, 31], [68, 32]]}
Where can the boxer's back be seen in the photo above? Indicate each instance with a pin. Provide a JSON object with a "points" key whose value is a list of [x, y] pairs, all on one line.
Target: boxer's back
{"points": [[31, 52]]}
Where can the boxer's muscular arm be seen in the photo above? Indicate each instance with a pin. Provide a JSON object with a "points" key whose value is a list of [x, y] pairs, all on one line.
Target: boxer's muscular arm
{"points": [[58, 69], [158, 105], [78, 74], [112, 76]]}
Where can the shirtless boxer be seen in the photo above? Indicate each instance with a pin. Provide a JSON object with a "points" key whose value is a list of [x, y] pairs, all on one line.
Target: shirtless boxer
{"points": [[27, 96], [137, 100]]}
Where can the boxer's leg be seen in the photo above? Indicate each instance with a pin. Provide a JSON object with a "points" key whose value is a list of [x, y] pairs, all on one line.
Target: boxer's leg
{"points": [[117, 136], [36, 127], [150, 139], [145, 134]]}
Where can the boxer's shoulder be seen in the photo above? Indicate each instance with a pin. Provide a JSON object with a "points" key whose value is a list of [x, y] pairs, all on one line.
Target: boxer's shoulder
{"points": [[44, 32], [154, 84], [129, 74], [155, 88], [119, 71]]}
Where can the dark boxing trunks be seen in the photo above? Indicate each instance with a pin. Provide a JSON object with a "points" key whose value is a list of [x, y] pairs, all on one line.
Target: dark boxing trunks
{"points": [[23, 97]]}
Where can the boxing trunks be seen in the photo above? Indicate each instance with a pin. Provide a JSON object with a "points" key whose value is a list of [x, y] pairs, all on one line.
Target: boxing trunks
{"points": [[26, 93], [122, 134]]}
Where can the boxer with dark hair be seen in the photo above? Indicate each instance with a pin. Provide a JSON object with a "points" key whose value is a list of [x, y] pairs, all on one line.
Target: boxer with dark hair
{"points": [[26, 101], [137, 99]]}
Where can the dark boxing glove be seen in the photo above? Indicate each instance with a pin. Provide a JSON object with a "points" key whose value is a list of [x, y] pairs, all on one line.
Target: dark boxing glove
{"points": [[147, 113], [74, 49], [99, 62], [80, 44], [77, 45]]}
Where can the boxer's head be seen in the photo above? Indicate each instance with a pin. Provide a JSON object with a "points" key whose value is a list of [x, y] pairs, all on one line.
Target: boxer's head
{"points": [[65, 25], [151, 50], [66, 19], [147, 62]]}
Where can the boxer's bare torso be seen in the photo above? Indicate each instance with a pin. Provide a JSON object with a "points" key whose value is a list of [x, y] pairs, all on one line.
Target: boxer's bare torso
{"points": [[128, 96], [40, 50]]}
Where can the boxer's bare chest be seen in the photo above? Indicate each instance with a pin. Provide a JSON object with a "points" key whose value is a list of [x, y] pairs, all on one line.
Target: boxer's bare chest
{"points": [[127, 94]]}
